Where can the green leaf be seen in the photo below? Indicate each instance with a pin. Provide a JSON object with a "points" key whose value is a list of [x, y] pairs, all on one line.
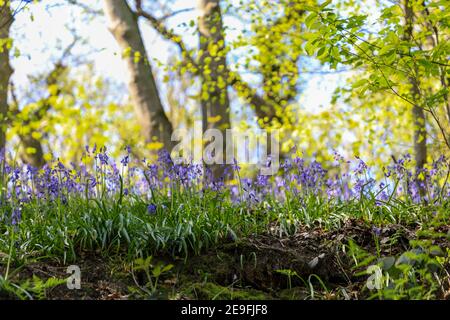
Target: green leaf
{"points": [[386, 262], [359, 83], [310, 19], [325, 4], [388, 48]]}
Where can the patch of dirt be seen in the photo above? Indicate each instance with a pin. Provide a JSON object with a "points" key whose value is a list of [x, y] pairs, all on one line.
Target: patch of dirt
{"points": [[254, 261], [99, 281]]}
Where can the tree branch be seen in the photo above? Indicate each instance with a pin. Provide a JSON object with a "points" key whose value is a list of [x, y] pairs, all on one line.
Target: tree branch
{"points": [[263, 107], [85, 7]]}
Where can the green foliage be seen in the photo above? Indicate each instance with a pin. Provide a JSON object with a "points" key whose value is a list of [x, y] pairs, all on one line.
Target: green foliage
{"points": [[212, 291], [400, 61], [188, 223], [30, 289], [152, 273], [419, 273], [310, 283], [74, 111]]}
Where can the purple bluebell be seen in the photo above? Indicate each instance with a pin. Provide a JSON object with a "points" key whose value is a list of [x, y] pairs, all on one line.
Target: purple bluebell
{"points": [[151, 209]]}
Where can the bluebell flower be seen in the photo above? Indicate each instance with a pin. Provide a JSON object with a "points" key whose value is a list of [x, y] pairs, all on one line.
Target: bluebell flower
{"points": [[235, 165], [125, 160], [16, 216], [103, 157], [361, 168], [376, 230], [151, 209]]}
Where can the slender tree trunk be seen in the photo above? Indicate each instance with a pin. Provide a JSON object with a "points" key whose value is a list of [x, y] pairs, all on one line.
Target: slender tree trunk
{"points": [[420, 132], [264, 108], [143, 91], [215, 102], [6, 70], [36, 158]]}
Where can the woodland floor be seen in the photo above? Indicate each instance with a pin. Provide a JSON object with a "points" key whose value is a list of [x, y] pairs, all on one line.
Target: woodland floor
{"points": [[243, 269]]}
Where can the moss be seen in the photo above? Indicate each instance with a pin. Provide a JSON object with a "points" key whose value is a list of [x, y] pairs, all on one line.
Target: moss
{"points": [[296, 293], [212, 291]]}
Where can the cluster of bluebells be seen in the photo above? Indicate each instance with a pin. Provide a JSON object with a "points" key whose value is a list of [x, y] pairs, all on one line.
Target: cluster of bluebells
{"points": [[102, 177]]}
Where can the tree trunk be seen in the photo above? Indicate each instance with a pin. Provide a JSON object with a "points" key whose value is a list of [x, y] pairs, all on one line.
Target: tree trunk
{"points": [[36, 158], [6, 70], [420, 132], [143, 91], [215, 101]]}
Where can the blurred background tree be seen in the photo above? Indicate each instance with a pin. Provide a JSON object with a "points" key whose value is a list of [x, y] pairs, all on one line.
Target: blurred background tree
{"points": [[241, 64]]}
